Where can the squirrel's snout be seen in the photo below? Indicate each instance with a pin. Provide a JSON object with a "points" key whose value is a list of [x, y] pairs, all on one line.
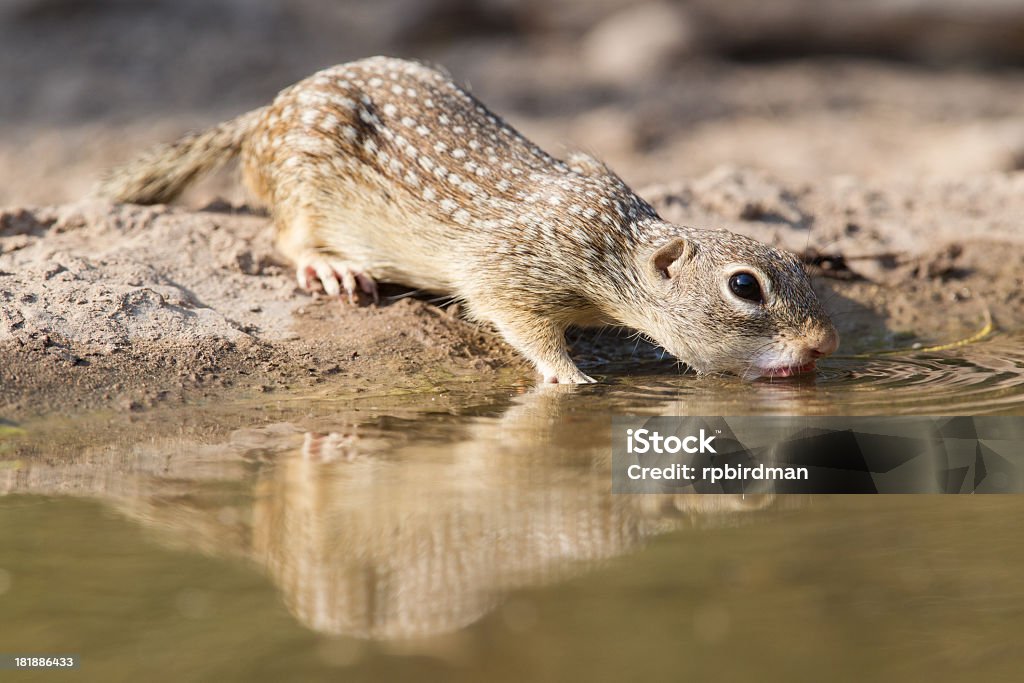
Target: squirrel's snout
{"points": [[824, 342]]}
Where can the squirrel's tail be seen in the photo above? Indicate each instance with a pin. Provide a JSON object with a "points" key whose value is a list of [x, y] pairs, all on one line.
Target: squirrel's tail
{"points": [[163, 172]]}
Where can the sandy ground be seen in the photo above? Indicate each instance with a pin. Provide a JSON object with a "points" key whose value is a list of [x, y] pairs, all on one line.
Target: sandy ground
{"points": [[898, 182]]}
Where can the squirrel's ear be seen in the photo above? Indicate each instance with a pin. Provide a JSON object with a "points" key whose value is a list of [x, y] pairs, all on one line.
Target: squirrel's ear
{"points": [[672, 256]]}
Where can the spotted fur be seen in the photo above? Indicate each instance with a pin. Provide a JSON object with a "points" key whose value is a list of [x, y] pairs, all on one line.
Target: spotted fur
{"points": [[392, 169]]}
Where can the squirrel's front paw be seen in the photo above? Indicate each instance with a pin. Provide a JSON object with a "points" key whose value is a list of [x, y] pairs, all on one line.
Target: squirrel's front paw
{"points": [[566, 377]]}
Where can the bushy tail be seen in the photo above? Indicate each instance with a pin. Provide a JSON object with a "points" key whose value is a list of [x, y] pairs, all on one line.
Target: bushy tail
{"points": [[163, 172]]}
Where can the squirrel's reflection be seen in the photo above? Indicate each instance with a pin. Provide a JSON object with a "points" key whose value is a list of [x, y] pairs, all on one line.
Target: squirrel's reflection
{"points": [[386, 531], [425, 539]]}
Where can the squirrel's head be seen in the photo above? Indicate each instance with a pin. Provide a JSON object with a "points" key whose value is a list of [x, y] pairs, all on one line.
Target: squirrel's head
{"points": [[727, 303]]}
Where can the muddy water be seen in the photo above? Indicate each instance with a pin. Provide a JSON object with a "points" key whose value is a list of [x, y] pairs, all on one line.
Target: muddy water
{"points": [[463, 531]]}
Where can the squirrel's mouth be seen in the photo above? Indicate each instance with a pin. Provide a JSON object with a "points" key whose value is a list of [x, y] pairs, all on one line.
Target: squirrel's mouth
{"points": [[787, 370]]}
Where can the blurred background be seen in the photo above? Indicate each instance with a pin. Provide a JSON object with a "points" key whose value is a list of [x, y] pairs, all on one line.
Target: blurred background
{"points": [[662, 89]]}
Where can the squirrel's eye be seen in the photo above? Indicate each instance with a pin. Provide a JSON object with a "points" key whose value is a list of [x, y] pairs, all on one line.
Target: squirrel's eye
{"points": [[746, 286]]}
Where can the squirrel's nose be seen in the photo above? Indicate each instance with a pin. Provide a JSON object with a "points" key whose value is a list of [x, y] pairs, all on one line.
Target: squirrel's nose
{"points": [[825, 342]]}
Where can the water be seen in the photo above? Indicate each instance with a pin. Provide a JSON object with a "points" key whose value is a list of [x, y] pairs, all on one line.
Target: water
{"points": [[465, 531]]}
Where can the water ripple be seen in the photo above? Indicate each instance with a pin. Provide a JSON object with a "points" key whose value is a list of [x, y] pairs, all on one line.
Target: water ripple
{"points": [[985, 377]]}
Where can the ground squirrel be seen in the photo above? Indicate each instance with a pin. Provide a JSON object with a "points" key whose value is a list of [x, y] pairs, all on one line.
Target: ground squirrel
{"points": [[386, 169]]}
